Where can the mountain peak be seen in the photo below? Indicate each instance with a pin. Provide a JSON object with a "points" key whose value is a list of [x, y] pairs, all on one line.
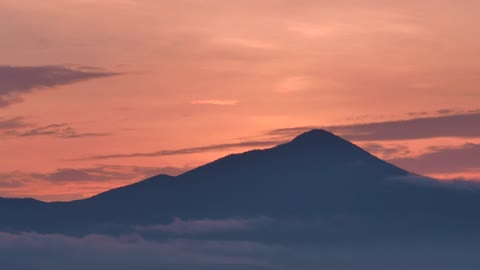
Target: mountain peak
{"points": [[317, 136], [321, 144]]}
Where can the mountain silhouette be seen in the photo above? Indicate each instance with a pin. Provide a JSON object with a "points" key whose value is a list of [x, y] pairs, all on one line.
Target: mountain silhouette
{"points": [[316, 176]]}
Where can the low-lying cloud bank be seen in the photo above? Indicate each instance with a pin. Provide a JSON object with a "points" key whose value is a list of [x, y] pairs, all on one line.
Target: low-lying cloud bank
{"points": [[29, 251], [34, 251]]}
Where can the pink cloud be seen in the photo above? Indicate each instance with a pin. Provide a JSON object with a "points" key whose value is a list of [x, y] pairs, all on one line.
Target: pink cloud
{"points": [[215, 102]]}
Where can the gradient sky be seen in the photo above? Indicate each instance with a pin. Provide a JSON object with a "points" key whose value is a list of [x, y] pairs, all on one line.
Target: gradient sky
{"points": [[100, 93]]}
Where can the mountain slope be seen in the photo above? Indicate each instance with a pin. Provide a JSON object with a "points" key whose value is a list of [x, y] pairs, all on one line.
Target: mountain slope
{"points": [[315, 176]]}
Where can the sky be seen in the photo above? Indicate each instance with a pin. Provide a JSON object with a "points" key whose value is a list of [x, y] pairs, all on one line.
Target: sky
{"points": [[96, 94]]}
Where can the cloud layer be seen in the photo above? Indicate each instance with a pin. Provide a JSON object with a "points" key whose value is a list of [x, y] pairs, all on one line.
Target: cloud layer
{"points": [[444, 159], [56, 252], [31, 251], [12, 123], [16, 81], [70, 183], [457, 125], [215, 101], [20, 127], [192, 150], [58, 130]]}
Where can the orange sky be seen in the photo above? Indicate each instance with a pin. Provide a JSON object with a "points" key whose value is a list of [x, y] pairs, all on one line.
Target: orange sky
{"points": [[84, 84]]}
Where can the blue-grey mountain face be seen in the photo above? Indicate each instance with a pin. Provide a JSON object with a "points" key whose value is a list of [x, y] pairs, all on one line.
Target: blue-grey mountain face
{"points": [[319, 186]]}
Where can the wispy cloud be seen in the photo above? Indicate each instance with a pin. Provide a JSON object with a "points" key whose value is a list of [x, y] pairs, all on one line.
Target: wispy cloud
{"points": [[444, 160], [13, 123], [100, 173], [244, 42], [460, 125], [18, 80], [215, 102], [455, 125], [87, 181], [208, 226], [292, 84], [192, 150], [59, 130], [387, 151], [20, 127]]}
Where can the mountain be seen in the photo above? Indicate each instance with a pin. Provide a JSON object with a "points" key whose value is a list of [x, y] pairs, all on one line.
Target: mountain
{"points": [[315, 177]]}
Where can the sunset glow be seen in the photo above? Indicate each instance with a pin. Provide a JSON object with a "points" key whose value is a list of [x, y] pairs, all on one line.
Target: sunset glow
{"points": [[100, 94]]}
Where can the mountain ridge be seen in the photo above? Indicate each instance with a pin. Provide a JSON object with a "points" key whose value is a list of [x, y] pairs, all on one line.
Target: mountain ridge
{"points": [[316, 175]]}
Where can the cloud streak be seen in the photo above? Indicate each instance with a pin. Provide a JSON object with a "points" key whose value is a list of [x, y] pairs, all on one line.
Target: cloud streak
{"points": [[458, 125], [87, 181], [215, 102], [387, 151], [96, 174], [60, 131], [18, 80], [208, 226], [443, 159], [12, 123], [192, 150], [18, 127]]}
